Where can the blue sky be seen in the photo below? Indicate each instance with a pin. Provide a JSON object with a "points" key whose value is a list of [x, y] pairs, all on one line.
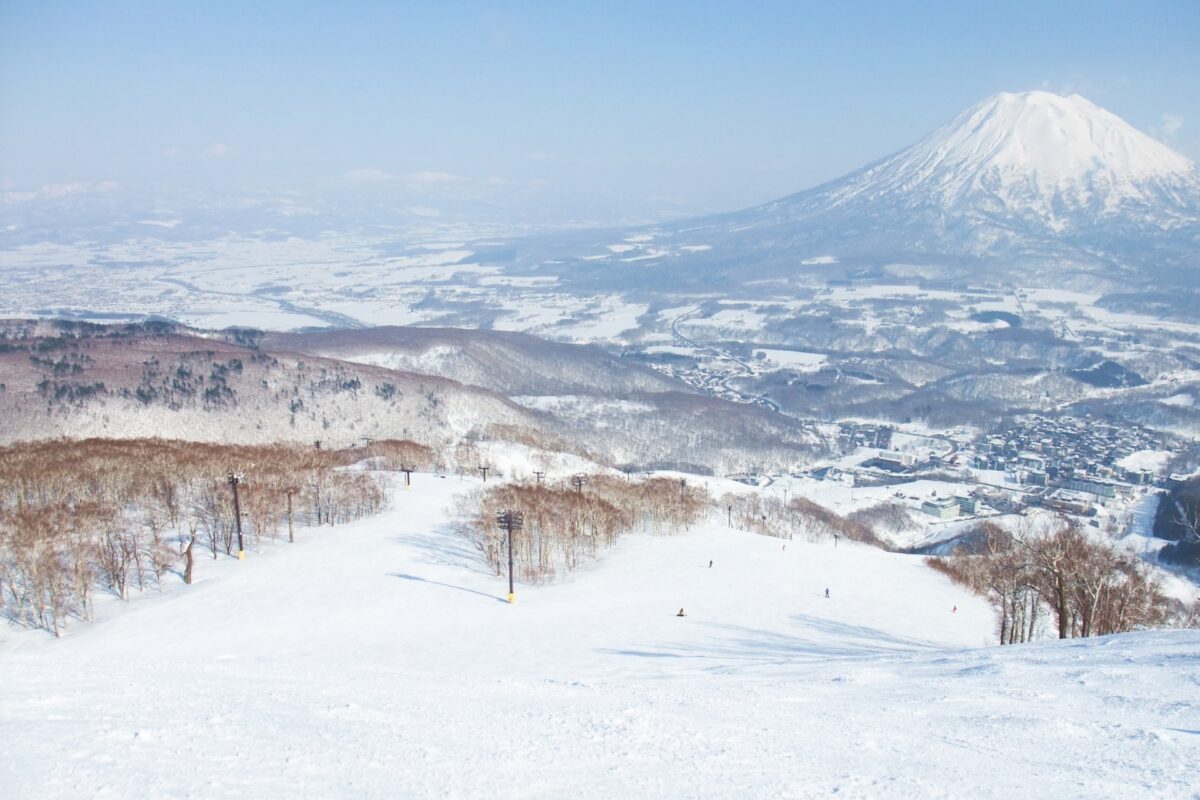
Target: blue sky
{"points": [[590, 109]]}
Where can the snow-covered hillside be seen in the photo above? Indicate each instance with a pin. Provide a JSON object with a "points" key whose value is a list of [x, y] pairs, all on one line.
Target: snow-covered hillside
{"points": [[502, 361], [146, 381], [379, 660]]}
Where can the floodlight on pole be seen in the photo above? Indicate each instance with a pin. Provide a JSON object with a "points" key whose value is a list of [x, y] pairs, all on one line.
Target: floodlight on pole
{"points": [[578, 480], [510, 521], [235, 478]]}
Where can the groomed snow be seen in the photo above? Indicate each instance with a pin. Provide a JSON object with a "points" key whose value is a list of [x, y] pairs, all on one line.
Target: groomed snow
{"points": [[379, 660], [797, 360]]}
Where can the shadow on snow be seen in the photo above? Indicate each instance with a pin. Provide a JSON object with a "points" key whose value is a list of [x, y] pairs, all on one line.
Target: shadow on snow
{"points": [[419, 579], [817, 639]]}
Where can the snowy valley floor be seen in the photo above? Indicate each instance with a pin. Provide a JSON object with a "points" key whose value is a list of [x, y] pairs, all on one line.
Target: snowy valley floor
{"points": [[379, 660]]}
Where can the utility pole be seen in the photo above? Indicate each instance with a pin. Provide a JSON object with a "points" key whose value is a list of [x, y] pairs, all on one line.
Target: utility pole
{"points": [[538, 475], [729, 512], [682, 487], [408, 471], [234, 479], [484, 470], [510, 521], [578, 480]]}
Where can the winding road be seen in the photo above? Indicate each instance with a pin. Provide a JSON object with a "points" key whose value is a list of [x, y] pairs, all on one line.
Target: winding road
{"points": [[747, 370]]}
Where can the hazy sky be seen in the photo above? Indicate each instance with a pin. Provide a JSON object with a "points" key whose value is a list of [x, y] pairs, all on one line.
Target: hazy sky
{"points": [[591, 109]]}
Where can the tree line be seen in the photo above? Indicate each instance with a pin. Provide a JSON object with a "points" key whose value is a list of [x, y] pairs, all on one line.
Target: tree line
{"points": [[801, 517], [77, 517], [571, 521], [1060, 575], [568, 523]]}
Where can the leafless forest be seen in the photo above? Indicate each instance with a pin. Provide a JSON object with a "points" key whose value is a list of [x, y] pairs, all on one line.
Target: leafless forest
{"points": [[77, 517], [1060, 576], [569, 522]]}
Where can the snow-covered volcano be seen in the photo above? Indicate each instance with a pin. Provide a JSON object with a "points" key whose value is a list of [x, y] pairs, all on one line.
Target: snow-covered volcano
{"points": [[1031, 186], [1033, 155]]}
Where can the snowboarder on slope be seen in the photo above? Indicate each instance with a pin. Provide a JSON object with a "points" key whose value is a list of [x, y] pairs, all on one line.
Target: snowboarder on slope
{"points": [[826, 592]]}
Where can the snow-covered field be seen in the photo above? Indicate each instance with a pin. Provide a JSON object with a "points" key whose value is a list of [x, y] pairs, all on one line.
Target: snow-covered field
{"points": [[379, 660], [793, 359]]}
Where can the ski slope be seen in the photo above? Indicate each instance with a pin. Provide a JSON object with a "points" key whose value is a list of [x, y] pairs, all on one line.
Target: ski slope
{"points": [[379, 660]]}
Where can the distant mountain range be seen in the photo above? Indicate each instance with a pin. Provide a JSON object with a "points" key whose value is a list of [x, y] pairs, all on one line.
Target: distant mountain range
{"points": [[1030, 188]]}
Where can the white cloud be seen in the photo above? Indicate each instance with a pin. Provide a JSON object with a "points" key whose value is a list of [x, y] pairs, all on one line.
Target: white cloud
{"points": [[1168, 127], [55, 191], [424, 179], [430, 185], [1171, 124], [217, 150], [369, 175], [433, 178]]}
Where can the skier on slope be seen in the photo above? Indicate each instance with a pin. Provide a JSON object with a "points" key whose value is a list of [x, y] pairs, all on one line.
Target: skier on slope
{"points": [[826, 592]]}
